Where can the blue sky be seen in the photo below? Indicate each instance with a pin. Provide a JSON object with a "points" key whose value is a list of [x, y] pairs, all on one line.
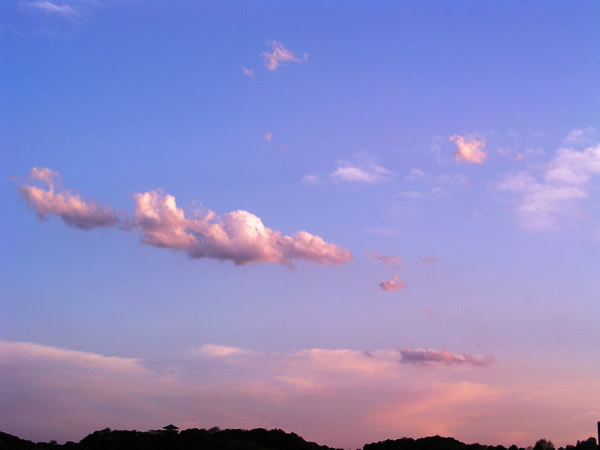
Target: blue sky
{"points": [[443, 158]]}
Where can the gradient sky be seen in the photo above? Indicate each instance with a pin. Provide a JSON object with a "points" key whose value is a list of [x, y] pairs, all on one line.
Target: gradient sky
{"points": [[351, 220]]}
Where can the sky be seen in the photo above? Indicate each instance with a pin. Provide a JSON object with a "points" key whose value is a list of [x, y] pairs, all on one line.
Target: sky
{"points": [[351, 220]]}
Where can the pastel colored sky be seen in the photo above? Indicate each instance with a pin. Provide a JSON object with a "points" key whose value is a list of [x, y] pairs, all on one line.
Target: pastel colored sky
{"points": [[351, 220]]}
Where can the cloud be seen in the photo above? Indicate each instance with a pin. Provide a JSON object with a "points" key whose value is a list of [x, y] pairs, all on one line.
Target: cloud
{"points": [[248, 72], [278, 55], [429, 259], [71, 208], [563, 182], [311, 179], [391, 260], [367, 172], [10, 351], [416, 174], [239, 236], [220, 351], [269, 137], [427, 356], [62, 10], [395, 284], [469, 149], [580, 136], [338, 397]]}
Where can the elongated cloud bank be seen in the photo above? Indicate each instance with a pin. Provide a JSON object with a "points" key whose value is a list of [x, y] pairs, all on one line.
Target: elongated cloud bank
{"points": [[57, 201], [427, 356], [469, 149], [238, 236], [340, 397]]}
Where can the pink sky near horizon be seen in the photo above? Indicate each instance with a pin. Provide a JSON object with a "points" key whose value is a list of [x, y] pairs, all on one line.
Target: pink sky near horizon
{"points": [[354, 221]]}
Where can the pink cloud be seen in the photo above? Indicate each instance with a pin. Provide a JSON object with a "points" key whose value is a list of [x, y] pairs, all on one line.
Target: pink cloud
{"points": [[469, 149], [239, 236], [338, 397], [429, 259], [269, 137], [278, 55], [395, 284], [57, 201], [425, 356], [391, 260], [248, 72]]}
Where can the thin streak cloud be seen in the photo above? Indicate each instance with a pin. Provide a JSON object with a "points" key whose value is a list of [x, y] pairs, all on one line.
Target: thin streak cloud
{"points": [[427, 356]]}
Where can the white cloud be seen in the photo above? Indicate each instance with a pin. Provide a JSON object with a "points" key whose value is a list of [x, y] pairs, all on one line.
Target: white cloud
{"points": [[311, 179], [248, 72], [564, 181], [364, 172], [47, 6], [239, 236], [580, 136]]}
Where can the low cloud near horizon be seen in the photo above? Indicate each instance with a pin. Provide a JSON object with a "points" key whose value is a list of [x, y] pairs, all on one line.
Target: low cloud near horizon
{"points": [[63, 394], [238, 236]]}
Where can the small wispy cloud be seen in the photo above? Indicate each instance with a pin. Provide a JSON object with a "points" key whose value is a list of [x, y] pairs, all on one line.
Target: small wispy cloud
{"points": [[395, 284], [469, 149], [580, 136], [248, 72], [429, 259], [311, 179], [428, 356], [52, 8], [416, 175], [389, 260], [365, 172], [278, 55], [269, 137]]}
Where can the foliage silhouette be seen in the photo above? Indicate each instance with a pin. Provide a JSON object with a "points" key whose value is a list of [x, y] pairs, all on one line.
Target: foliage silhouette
{"points": [[256, 439]]}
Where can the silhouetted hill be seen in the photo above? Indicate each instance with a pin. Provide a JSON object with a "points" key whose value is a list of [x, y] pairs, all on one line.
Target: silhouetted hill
{"points": [[257, 439], [192, 439]]}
